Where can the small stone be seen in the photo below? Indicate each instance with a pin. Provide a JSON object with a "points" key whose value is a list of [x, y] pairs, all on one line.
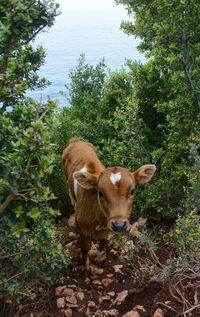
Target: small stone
{"points": [[113, 251], [104, 298], [112, 312], [93, 277], [121, 297], [59, 290], [110, 275], [97, 282], [68, 292], [87, 280], [142, 221], [131, 313], [72, 305], [69, 245], [107, 282], [111, 294], [92, 254], [98, 313], [71, 235], [139, 307], [61, 302], [117, 268], [91, 304], [72, 286], [88, 313], [68, 312], [158, 313], [95, 270], [72, 221], [71, 300], [80, 296]]}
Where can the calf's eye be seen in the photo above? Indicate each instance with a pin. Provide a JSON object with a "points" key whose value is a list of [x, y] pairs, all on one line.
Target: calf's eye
{"points": [[132, 192], [100, 194]]}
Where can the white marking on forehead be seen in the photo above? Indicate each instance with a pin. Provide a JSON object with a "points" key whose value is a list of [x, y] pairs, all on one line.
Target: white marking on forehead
{"points": [[84, 169], [115, 177]]}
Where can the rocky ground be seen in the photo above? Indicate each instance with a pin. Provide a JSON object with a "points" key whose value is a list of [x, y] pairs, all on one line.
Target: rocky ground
{"points": [[119, 287], [110, 290]]}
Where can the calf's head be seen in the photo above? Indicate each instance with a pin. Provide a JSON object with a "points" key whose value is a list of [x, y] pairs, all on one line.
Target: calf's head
{"points": [[115, 192]]}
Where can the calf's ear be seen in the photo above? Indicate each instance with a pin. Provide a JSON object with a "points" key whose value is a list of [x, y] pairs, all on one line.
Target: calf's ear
{"points": [[144, 173], [86, 180]]}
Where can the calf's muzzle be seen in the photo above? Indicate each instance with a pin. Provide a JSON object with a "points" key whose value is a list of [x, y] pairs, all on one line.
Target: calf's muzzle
{"points": [[119, 226]]}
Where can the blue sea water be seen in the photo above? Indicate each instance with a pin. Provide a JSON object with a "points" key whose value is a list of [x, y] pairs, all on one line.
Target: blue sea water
{"points": [[93, 32]]}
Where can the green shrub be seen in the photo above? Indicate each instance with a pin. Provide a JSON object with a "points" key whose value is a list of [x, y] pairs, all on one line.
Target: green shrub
{"points": [[26, 156], [32, 261], [186, 233]]}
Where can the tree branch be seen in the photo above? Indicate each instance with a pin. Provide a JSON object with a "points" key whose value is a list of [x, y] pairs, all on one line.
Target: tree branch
{"points": [[6, 202]]}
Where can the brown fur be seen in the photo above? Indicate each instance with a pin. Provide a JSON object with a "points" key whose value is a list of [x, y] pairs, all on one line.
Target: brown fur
{"points": [[96, 215]]}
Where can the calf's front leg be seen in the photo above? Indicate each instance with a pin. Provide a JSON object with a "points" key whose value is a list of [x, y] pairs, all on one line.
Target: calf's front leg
{"points": [[101, 254], [86, 244]]}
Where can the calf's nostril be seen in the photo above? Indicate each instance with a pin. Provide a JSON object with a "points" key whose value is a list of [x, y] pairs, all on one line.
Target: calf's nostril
{"points": [[119, 226], [125, 225]]}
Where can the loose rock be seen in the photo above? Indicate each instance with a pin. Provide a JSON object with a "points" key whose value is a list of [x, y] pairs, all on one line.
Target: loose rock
{"points": [[80, 296], [107, 282], [111, 294], [139, 307], [61, 302], [72, 221], [131, 313], [68, 292], [158, 313], [104, 298], [112, 312], [121, 297], [91, 304], [117, 268], [59, 290], [68, 312]]}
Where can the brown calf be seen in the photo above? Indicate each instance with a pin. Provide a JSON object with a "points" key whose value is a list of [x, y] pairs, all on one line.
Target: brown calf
{"points": [[102, 197]]}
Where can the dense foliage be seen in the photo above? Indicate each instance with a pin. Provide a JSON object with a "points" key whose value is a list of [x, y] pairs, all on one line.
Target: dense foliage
{"points": [[21, 21], [31, 255], [140, 118]]}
